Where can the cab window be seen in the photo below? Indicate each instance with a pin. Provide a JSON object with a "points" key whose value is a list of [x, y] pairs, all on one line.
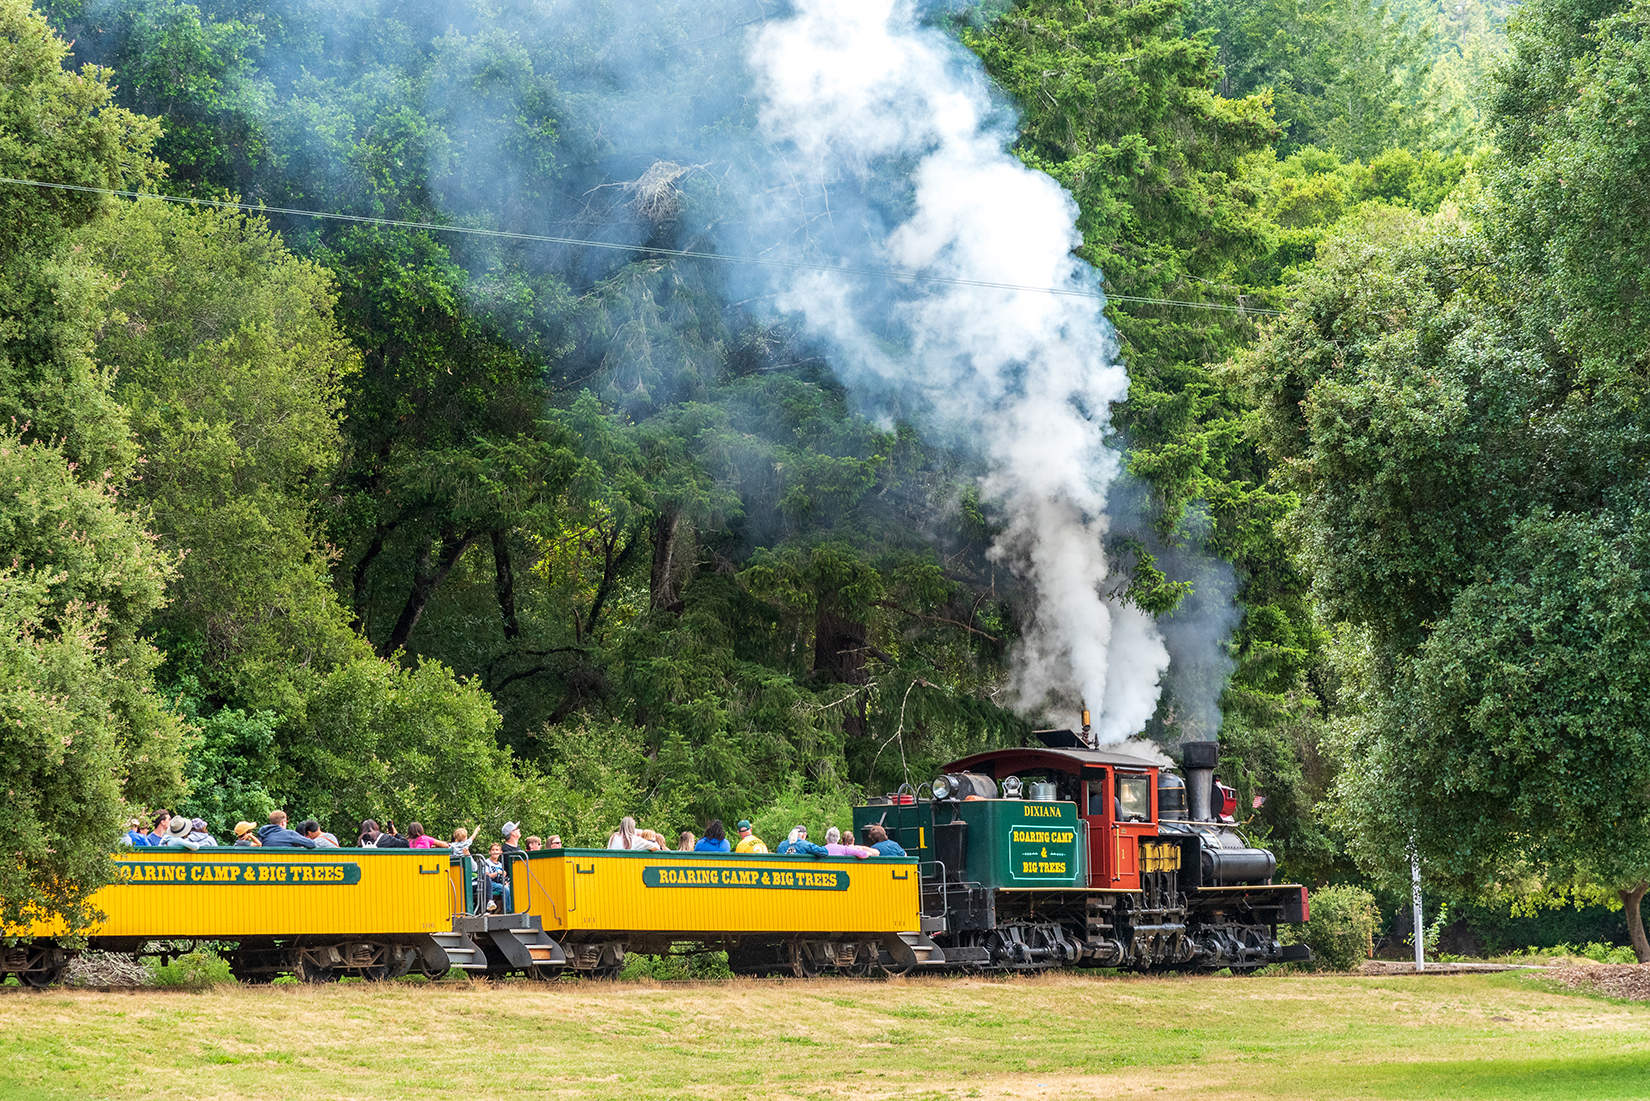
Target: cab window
{"points": [[1134, 799], [1097, 794]]}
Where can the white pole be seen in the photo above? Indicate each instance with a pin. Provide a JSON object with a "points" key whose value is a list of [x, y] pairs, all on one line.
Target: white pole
{"points": [[1415, 897]]}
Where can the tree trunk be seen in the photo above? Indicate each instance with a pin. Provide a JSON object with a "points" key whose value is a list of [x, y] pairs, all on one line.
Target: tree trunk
{"points": [[613, 563], [358, 576], [839, 658], [428, 574], [504, 586], [1635, 920], [661, 586]]}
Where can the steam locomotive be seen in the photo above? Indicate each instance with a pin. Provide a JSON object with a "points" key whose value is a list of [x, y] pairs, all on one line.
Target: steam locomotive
{"points": [[1018, 859], [1034, 858]]}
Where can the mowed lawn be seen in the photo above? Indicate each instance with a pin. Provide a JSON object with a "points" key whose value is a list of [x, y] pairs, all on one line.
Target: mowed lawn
{"points": [[1504, 1036]]}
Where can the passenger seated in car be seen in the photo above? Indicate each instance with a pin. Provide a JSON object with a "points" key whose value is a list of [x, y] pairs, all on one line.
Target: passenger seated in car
{"points": [[836, 846], [748, 841], [177, 835], [512, 837], [492, 867], [797, 844], [627, 836], [246, 836], [390, 838], [685, 843], [715, 839], [137, 834], [277, 836], [877, 838], [418, 839], [311, 829]]}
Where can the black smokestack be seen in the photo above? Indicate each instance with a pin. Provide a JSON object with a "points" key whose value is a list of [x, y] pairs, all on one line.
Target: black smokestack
{"points": [[1199, 760]]}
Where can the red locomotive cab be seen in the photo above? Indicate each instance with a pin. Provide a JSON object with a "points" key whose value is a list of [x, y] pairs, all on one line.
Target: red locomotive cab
{"points": [[1120, 808]]}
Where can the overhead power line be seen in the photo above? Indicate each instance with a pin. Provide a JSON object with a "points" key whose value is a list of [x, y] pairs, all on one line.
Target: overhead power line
{"points": [[652, 250]]}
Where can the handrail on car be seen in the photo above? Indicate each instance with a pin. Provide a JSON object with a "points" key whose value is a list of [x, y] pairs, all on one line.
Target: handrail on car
{"points": [[478, 899], [453, 906], [519, 905], [945, 896]]}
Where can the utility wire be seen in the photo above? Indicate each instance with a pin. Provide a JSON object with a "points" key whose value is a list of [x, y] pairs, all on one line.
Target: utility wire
{"points": [[615, 246]]}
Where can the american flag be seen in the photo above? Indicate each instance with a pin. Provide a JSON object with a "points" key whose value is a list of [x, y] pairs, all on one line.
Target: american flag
{"points": [[1260, 801]]}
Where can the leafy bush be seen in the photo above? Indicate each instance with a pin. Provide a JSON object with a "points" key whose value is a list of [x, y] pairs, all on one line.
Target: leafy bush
{"points": [[700, 965], [1604, 953], [1592, 950], [1341, 932], [197, 970]]}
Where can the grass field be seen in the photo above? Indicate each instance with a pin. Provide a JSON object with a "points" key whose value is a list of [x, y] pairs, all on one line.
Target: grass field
{"points": [[1504, 1036]]}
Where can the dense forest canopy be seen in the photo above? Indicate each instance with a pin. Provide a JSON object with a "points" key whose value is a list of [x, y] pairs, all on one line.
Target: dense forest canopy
{"points": [[370, 520]]}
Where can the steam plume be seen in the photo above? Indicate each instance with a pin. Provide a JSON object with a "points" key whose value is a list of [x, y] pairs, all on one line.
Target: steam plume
{"points": [[853, 90]]}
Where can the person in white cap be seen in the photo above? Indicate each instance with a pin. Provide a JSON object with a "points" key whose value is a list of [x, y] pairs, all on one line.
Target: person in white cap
{"points": [[512, 837]]}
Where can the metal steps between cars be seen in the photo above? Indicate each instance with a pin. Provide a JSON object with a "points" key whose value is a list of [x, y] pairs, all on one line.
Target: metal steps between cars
{"points": [[461, 952], [517, 941]]}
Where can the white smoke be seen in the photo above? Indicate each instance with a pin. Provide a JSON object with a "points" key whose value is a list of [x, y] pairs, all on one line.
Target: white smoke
{"points": [[852, 87]]}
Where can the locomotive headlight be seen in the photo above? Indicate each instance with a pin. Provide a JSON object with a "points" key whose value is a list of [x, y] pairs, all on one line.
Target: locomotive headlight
{"points": [[1012, 788], [943, 788]]}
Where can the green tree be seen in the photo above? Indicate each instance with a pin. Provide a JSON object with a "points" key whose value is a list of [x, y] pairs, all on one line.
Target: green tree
{"points": [[230, 367], [58, 127], [379, 741], [83, 735], [1568, 108], [1346, 75], [1471, 515], [192, 71]]}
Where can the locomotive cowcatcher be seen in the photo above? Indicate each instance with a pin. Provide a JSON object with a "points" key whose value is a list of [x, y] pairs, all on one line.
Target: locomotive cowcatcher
{"points": [[1040, 857]]}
